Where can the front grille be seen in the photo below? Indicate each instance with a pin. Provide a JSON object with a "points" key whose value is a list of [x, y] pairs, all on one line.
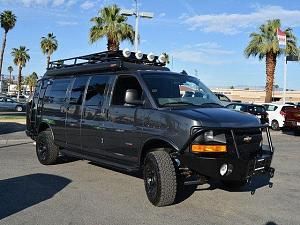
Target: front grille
{"points": [[247, 142]]}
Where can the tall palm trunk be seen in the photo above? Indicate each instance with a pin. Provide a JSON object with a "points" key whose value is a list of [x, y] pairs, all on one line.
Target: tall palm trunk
{"points": [[48, 60], [19, 81], [112, 45], [2, 51], [9, 77], [270, 70]]}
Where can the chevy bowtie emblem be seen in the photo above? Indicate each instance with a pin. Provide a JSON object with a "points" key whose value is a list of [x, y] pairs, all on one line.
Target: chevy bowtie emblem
{"points": [[247, 139]]}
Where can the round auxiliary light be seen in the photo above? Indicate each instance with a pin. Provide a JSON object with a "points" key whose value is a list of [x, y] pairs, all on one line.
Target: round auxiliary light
{"points": [[139, 55], [223, 169], [150, 56], [162, 58], [126, 52]]}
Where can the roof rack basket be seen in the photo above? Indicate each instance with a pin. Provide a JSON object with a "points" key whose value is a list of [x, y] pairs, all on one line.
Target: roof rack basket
{"points": [[102, 57]]}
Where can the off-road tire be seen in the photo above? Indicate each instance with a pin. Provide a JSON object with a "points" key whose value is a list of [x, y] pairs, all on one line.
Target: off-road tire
{"points": [[46, 150], [234, 184], [275, 125], [164, 184]]}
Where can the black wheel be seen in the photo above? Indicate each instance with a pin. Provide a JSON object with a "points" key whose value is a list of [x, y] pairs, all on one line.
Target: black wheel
{"points": [[234, 184], [160, 178], [46, 150], [297, 132], [275, 125], [19, 108]]}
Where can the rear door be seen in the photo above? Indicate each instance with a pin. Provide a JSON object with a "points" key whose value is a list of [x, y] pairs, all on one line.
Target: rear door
{"points": [[74, 111]]}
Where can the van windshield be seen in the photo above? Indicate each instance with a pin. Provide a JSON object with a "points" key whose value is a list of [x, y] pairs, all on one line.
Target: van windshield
{"points": [[175, 90]]}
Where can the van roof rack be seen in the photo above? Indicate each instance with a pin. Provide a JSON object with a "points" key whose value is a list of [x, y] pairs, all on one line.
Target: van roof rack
{"points": [[103, 57]]}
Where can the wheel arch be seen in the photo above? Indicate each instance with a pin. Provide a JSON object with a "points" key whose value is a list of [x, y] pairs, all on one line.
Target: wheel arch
{"points": [[44, 126], [155, 144]]}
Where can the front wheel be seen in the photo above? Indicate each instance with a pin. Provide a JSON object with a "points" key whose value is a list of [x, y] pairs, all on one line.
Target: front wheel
{"points": [[19, 108], [46, 150], [160, 178]]}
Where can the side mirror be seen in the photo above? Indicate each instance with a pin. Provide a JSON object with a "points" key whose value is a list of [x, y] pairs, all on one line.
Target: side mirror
{"points": [[132, 97]]}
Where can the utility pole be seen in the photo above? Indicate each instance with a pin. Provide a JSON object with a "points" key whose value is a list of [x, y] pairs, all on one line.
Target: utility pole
{"points": [[138, 15]]}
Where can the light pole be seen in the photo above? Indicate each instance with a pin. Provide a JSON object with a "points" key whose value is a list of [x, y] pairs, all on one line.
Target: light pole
{"points": [[137, 14]]}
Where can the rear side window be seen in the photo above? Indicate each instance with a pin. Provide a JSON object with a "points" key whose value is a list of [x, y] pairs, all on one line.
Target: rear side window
{"points": [[77, 91], [96, 90], [56, 91], [271, 107]]}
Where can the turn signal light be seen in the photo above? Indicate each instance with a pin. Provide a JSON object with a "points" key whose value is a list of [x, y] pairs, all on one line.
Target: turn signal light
{"points": [[208, 148]]}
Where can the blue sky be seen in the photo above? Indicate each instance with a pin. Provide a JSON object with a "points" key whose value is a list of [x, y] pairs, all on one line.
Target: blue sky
{"points": [[206, 38]]}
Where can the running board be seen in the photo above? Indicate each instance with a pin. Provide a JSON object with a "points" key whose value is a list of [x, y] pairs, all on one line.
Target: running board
{"points": [[101, 161]]}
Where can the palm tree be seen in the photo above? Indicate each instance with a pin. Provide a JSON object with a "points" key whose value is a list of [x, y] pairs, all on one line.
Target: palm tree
{"points": [[111, 24], [31, 81], [264, 44], [21, 57], [49, 45], [10, 70]]}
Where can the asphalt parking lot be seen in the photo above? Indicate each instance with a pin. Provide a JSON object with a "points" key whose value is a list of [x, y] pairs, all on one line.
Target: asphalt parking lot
{"points": [[80, 192]]}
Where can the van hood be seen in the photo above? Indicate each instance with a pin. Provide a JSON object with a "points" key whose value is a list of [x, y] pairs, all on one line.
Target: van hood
{"points": [[219, 117]]}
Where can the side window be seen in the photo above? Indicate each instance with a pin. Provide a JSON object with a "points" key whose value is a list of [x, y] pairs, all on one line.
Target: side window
{"points": [[77, 91], [56, 91], [96, 90], [1, 100], [121, 86], [230, 106]]}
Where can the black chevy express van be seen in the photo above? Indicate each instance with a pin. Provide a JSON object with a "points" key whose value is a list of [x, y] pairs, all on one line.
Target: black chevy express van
{"points": [[134, 114]]}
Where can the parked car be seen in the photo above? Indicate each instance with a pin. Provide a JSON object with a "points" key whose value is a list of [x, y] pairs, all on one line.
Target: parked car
{"points": [[132, 113], [8, 104], [292, 119], [257, 110], [276, 114]]}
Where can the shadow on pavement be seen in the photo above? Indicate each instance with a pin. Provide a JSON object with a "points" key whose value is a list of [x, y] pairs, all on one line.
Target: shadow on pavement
{"points": [[11, 127], [19, 193]]}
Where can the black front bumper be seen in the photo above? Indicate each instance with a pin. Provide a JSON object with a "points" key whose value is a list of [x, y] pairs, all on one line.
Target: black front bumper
{"points": [[238, 169]]}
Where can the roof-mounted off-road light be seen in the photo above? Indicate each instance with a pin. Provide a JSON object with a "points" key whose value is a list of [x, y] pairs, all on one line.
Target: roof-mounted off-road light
{"points": [[139, 55], [150, 57], [162, 58], [126, 53]]}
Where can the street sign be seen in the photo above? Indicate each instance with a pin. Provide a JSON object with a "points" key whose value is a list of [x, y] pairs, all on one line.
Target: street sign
{"points": [[292, 58], [281, 36]]}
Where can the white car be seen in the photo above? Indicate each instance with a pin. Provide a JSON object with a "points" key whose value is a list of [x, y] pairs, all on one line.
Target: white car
{"points": [[276, 114]]}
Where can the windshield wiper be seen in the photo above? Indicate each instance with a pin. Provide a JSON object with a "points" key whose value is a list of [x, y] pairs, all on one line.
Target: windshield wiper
{"points": [[211, 104], [178, 103]]}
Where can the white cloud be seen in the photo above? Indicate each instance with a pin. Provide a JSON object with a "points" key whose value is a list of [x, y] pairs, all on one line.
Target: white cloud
{"points": [[209, 53], [58, 3], [162, 15], [235, 23], [44, 3], [87, 5]]}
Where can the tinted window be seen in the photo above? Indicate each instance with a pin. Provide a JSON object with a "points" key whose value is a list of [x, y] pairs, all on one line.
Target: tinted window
{"points": [[270, 107], [257, 109], [56, 91], [77, 91], [122, 85], [96, 90], [240, 108], [230, 106], [223, 98]]}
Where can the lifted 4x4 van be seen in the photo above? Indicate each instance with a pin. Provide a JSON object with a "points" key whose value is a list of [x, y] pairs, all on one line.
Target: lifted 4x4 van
{"points": [[134, 114]]}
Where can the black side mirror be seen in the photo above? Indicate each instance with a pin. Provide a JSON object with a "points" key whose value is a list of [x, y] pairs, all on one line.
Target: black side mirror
{"points": [[132, 97]]}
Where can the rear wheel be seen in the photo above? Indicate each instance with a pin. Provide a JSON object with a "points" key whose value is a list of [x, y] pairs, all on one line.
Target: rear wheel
{"points": [[160, 178], [275, 125], [46, 150]]}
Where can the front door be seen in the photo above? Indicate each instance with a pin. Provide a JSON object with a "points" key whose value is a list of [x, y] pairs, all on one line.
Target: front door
{"points": [[74, 111], [124, 122]]}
